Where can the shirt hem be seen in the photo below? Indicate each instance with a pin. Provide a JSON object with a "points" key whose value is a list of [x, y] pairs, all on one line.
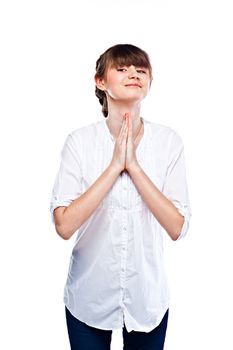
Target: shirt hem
{"points": [[143, 329]]}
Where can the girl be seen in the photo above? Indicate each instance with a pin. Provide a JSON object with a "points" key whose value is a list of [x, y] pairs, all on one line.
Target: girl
{"points": [[121, 186]]}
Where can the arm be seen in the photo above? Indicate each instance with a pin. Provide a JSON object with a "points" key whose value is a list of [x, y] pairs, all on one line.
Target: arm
{"points": [[162, 208], [170, 206], [70, 207], [69, 219]]}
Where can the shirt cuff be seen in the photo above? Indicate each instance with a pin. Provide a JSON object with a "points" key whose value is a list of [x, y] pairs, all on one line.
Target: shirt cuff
{"points": [[184, 211], [58, 202]]}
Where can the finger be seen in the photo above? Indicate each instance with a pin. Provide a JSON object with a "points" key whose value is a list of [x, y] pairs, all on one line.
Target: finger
{"points": [[123, 127], [123, 132], [127, 133], [129, 128]]}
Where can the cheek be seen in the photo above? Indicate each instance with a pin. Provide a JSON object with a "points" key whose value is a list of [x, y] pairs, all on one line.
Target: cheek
{"points": [[111, 81], [113, 78], [148, 84]]}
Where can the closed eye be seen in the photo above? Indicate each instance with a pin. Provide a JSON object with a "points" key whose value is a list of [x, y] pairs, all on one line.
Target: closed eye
{"points": [[121, 69], [141, 71], [138, 70]]}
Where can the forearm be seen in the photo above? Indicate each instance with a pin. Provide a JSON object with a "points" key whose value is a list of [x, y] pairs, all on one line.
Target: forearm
{"points": [[161, 207], [83, 207]]}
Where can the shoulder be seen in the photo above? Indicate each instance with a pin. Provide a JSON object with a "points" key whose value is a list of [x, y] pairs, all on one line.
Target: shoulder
{"points": [[86, 131], [81, 138], [164, 133]]}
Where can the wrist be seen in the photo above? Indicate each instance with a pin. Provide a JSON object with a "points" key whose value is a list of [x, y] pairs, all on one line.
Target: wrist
{"points": [[115, 169], [134, 168]]}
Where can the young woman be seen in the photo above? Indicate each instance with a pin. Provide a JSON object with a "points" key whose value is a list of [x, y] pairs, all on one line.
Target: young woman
{"points": [[121, 186]]}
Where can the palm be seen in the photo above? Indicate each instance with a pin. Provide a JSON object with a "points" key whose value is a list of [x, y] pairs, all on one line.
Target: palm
{"points": [[131, 146]]}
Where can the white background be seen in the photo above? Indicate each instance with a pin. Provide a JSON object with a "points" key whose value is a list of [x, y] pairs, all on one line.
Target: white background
{"points": [[48, 54]]}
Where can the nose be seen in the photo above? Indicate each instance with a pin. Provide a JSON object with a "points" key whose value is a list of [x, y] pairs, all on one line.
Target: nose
{"points": [[133, 72]]}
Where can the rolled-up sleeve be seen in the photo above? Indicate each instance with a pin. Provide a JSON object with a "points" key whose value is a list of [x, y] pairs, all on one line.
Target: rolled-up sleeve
{"points": [[68, 181], [175, 186]]}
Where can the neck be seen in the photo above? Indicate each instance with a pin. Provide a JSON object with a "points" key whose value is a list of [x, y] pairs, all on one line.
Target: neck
{"points": [[115, 118]]}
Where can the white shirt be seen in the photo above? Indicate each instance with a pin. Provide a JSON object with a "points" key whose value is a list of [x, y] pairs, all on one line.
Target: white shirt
{"points": [[116, 273]]}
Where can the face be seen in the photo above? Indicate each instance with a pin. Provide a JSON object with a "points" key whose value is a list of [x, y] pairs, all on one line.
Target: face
{"points": [[126, 83]]}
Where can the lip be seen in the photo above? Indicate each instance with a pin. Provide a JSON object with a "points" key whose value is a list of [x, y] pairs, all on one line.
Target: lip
{"points": [[137, 85]]}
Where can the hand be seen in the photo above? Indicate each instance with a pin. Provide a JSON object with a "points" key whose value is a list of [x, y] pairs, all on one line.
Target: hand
{"points": [[119, 152], [131, 146], [124, 154]]}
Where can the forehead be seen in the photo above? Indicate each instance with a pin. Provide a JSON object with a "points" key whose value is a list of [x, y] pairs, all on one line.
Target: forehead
{"points": [[125, 59], [128, 66], [124, 65], [121, 63]]}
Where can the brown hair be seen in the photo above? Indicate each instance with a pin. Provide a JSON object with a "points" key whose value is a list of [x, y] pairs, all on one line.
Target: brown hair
{"points": [[119, 55]]}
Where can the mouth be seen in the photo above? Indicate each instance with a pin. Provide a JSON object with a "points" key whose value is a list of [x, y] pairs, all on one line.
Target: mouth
{"points": [[133, 85]]}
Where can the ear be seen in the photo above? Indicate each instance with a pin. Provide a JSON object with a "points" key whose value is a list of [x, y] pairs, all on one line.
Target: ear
{"points": [[99, 82]]}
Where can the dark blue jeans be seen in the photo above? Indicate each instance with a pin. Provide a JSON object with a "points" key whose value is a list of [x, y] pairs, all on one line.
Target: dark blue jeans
{"points": [[84, 337]]}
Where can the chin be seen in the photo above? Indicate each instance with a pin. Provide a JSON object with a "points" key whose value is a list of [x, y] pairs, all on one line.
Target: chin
{"points": [[131, 97]]}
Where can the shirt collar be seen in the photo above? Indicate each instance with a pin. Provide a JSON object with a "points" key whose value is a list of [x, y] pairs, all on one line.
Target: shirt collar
{"points": [[147, 130]]}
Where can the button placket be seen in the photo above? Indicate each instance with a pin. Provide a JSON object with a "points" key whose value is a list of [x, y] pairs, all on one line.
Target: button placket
{"points": [[124, 230]]}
